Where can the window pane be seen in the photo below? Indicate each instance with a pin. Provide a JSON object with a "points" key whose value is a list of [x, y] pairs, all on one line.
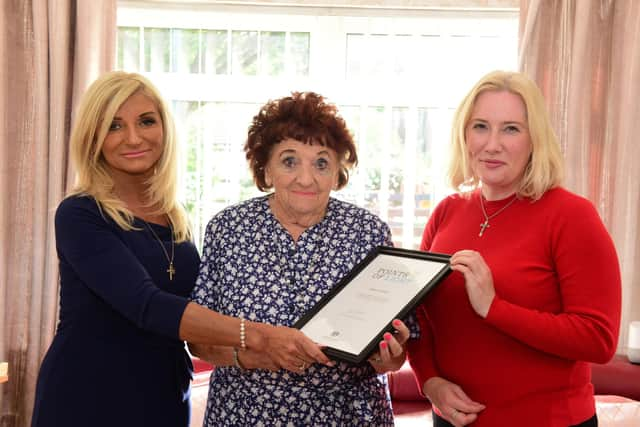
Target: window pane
{"points": [[156, 50], [185, 52], [369, 56], [244, 50], [214, 52], [188, 126], [430, 47], [372, 160], [239, 117], [353, 192], [300, 53], [404, 52], [216, 173], [457, 64], [272, 53], [128, 48], [395, 163], [423, 162], [379, 54], [356, 55], [424, 136]]}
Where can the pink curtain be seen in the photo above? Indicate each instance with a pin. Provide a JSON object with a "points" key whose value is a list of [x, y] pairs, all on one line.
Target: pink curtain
{"points": [[585, 56], [50, 51]]}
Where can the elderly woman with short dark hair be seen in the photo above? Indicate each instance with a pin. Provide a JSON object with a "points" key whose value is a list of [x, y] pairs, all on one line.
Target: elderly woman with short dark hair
{"points": [[271, 258]]}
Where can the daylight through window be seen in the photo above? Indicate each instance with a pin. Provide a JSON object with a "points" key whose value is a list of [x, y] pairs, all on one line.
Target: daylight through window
{"points": [[396, 80]]}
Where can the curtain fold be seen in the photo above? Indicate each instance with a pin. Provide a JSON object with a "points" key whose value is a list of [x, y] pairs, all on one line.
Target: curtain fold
{"points": [[585, 56], [51, 50]]}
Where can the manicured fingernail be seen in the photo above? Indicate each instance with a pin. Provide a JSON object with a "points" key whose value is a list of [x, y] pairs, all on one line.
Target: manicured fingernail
{"points": [[396, 322], [383, 345], [387, 336]]}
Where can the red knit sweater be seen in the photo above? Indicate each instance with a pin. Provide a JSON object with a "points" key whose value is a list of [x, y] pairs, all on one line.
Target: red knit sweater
{"points": [[557, 306]]}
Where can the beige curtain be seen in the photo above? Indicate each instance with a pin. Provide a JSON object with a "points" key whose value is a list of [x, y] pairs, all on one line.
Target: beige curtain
{"points": [[49, 51], [585, 55]]}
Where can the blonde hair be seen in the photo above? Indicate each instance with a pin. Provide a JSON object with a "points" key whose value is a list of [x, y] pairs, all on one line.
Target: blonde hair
{"points": [[97, 108], [545, 167]]}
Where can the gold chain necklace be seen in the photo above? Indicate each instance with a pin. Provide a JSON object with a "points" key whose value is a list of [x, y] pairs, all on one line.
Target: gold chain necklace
{"points": [[169, 270], [484, 225]]}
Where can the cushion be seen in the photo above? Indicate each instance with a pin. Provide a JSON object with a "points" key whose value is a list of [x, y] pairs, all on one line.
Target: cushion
{"points": [[617, 411]]}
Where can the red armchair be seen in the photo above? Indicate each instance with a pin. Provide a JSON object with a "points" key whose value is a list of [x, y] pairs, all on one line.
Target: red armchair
{"points": [[618, 377]]}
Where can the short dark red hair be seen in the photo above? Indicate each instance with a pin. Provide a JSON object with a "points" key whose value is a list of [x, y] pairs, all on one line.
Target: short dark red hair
{"points": [[305, 117]]}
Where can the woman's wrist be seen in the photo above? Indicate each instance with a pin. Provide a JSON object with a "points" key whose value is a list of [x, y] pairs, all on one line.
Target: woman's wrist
{"points": [[254, 335], [395, 363], [429, 384], [399, 360], [236, 360]]}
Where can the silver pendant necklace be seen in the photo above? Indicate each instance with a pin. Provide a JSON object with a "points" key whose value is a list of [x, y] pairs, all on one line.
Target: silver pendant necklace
{"points": [[484, 225], [171, 270]]}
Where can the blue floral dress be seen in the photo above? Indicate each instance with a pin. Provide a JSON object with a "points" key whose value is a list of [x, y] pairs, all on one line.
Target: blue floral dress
{"points": [[251, 267]]}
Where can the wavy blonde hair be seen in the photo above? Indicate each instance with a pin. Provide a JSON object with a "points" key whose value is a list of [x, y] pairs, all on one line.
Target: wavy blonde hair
{"points": [[95, 114], [545, 167]]}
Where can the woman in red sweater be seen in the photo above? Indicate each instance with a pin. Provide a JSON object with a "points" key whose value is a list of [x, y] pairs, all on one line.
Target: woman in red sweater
{"points": [[535, 291]]}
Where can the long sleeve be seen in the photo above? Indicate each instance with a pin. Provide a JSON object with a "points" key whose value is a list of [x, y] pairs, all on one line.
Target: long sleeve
{"points": [[420, 351], [586, 326], [94, 253]]}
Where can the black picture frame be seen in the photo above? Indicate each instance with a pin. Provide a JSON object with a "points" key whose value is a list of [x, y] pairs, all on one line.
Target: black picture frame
{"points": [[390, 269]]}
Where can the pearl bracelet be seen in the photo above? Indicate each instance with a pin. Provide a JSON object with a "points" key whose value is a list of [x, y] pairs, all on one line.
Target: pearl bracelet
{"points": [[243, 335]]}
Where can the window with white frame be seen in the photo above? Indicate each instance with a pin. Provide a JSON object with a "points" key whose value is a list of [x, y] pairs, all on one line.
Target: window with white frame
{"points": [[396, 78]]}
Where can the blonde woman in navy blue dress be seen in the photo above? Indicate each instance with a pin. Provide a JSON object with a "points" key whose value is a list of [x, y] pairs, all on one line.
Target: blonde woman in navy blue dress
{"points": [[273, 257], [127, 267]]}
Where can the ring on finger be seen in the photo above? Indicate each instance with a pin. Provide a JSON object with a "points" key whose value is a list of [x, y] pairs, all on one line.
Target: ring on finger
{"points": [[377, 359], [302, 366]]}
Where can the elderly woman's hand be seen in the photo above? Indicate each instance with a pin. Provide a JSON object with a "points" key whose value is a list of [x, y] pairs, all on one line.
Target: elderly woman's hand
{"points": [[289, 348], [391, 355], [477, 279]]}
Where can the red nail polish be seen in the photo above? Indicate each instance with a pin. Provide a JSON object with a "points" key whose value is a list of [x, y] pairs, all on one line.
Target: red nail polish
{"points": [[383, 345], [396, 322], [387, 336]]}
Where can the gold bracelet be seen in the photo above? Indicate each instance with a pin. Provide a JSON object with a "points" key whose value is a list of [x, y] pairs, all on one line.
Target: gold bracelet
{"points": [[236, 360], [243, 335]]}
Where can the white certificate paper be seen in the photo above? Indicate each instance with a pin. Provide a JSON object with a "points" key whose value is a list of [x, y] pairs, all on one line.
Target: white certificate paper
{"points": [[386, 285]]}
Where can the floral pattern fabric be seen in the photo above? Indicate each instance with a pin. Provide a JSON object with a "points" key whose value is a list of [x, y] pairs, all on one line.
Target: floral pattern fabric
{"points": [[251, 267]]}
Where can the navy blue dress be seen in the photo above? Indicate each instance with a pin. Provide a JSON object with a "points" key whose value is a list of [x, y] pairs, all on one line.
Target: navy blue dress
{"points": [[116, 358]]}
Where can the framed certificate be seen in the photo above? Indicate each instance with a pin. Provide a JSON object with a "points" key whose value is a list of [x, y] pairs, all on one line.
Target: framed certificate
{"points": [[352, 318]]}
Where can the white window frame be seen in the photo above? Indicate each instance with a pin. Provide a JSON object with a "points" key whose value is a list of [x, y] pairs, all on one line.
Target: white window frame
{"points": [[328, 28]]}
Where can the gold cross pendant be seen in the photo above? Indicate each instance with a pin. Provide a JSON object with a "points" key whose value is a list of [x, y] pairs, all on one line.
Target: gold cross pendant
{"points": [[171, 271], [483, 227]]}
